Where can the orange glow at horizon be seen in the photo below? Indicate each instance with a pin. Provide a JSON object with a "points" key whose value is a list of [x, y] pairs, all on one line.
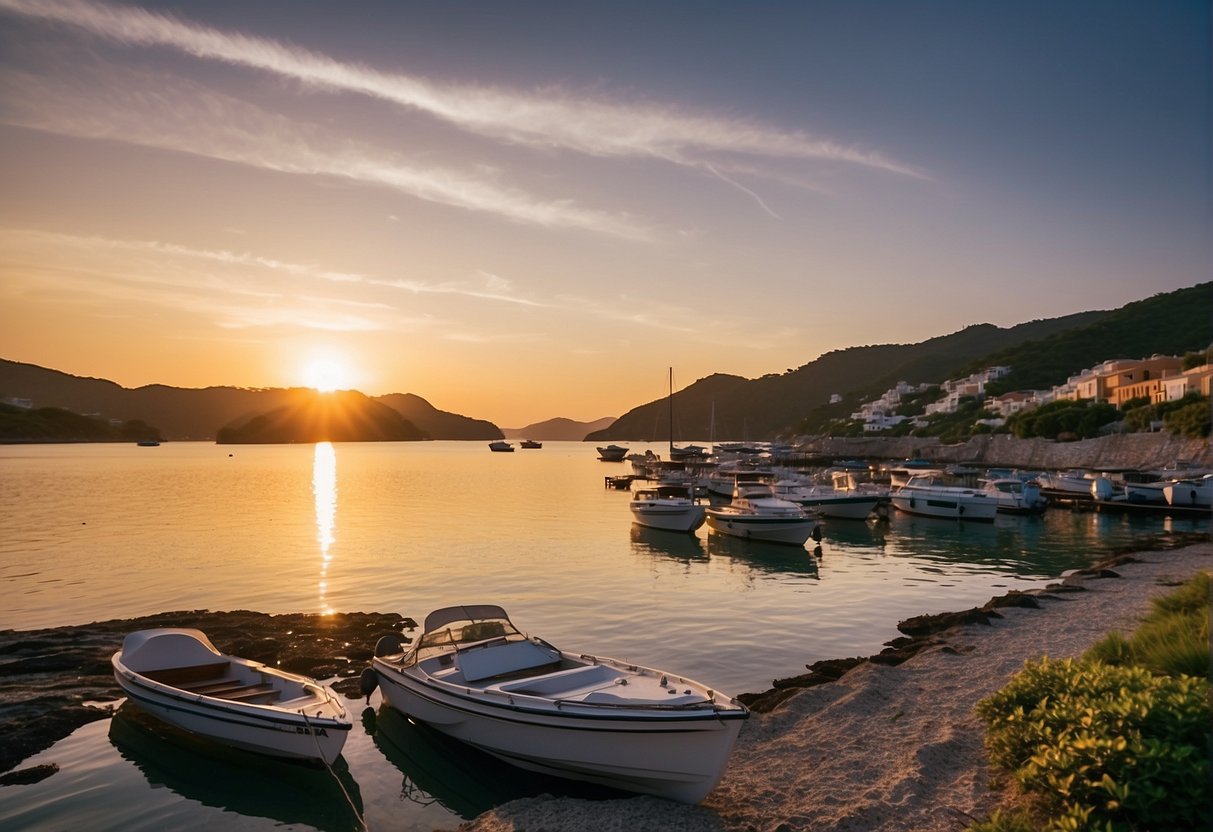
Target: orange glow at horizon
{"points": [[327, 374]]}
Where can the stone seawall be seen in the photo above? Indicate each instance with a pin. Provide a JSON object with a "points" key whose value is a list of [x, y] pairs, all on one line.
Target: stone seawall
{"points": [[1126, 450]]}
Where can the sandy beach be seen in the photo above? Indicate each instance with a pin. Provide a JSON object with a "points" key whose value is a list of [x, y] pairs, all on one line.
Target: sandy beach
{"points": [[887, 747]]}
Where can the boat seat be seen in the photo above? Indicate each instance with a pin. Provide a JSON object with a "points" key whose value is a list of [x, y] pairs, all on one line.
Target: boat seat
{"points": [[565, 681], [209, 685], [247, 692], [181, 677]]}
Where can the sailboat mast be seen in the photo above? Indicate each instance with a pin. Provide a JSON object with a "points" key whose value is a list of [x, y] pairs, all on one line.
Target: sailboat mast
{"points": [[671, 413]]}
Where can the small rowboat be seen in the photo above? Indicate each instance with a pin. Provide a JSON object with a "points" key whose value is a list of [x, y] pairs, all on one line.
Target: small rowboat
{"points": [[179, 676]]}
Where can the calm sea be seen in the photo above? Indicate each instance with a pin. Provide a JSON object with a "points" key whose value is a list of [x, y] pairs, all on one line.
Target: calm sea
{"points": [[94, 532]]}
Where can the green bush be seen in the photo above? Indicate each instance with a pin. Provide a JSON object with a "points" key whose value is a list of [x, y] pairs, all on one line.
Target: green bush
{"points": [[1082, 418], [1191, 420], [1173, 639], [1107, 747]]}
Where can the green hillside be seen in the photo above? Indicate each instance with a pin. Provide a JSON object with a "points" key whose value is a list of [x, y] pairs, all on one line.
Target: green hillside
{"points": [[775, 405], [1174, 323]]}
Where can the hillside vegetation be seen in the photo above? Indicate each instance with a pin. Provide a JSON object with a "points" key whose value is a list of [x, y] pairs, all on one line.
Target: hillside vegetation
{"points": [[53, 424], [1041, 353], [775, 405], [1167, 324]]}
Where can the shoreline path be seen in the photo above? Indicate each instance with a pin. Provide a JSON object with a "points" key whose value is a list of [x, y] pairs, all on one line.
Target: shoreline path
{"points": [[886, 747]]}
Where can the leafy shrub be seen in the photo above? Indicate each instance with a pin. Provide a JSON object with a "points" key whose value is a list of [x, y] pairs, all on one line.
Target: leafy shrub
{"points": [[1192, 420], [1081, 418], [1109, 747], [1173, 639]]}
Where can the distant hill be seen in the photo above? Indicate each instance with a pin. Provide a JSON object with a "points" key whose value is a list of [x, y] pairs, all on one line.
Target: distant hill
{"points": [[1173, 323], [438, 424], [559, 429], [196, 413], [311, 416], [53, 424], [767, 407]]}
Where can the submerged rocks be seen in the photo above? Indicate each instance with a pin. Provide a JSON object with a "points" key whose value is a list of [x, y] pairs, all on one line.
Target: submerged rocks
{"points": [[53, 681]]}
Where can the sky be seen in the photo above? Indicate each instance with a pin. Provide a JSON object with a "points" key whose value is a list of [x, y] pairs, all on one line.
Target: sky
{"points": [[524, 210]]}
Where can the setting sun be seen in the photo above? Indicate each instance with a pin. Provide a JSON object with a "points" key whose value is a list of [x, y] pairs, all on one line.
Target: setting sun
{"points": [[326, 375]]}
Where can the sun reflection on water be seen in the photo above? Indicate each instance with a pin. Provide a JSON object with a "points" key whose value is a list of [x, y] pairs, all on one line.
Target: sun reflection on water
{"points": [[324, 487]]}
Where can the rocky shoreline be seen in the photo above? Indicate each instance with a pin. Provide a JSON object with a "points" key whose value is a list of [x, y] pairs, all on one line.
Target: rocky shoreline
{"points": [[53, 681], [1146, 451]]}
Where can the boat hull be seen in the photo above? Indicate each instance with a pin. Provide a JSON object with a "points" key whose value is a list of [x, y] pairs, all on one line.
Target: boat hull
{"points": [[792, 531], [1190, 494], [673, 518], [264, 729], [677, 756], [971, 507], [842, 508]]}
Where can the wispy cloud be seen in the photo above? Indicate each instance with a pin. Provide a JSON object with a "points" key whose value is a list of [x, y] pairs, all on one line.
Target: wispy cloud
{"points": [[553, 118], [226, 287], [178, 115]]}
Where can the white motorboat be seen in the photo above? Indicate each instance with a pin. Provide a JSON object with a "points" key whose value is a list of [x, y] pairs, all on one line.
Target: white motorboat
{"points": [[755, 513], [474, 676], [501, 446], [612, 453], [1014, 496], [828, 501], [1067, 482], [666, 506], [901, 473], [925, 495], [179, 676], [531, 444], [1190, 493]]}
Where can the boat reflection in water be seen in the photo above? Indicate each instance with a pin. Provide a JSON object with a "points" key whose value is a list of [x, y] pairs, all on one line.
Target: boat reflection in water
{"points": [[661, 543], [287, 792], [462, 779], [765, 557]]}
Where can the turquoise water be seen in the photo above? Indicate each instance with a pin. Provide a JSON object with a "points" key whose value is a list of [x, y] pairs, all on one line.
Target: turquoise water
{"points": [[95, 532]]}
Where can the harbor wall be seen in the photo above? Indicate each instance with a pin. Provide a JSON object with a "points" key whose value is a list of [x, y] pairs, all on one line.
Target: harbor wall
{"points": [[1122, 450]]}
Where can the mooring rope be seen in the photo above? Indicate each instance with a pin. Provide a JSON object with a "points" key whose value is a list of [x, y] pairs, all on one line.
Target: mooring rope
{"points": [[362, 824]]}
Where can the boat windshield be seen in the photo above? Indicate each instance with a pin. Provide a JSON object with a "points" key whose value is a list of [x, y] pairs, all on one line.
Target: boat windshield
{"points": [[464, 625]]}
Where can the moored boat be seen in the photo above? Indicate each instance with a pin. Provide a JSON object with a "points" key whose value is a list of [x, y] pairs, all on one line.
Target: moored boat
{"points": [[531, 444], [1064, 483], [612, 453], [925, 495], [177, 675], [827, 501], [474, 676], [1014, 496], [501, 446], [666, 506], [755, 513], [1190, 493]]}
